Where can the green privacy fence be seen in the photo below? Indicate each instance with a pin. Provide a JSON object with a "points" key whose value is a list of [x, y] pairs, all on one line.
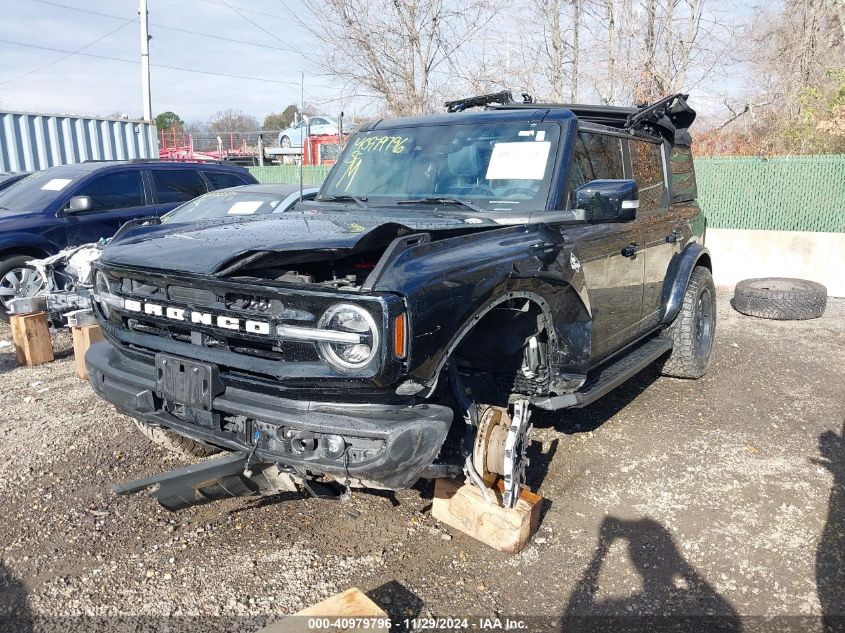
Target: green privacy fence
{"points": [[289, 174], [788, 193], [785, 193]]}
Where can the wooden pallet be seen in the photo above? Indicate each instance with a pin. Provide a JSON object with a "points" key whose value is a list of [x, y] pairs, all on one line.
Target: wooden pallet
{"points": [[31, 337], [84, 336], [462, 506], [351, 610]]}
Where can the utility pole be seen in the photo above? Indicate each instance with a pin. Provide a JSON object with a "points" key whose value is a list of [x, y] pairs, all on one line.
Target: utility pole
{"points": [[145, 60]]}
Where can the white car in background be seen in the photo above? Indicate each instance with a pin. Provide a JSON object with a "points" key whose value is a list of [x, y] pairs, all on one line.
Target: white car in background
{"points": [[319, 124]]}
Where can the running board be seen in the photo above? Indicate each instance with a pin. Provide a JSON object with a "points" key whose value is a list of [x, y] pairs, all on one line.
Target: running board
{"points": [[608, 377]]}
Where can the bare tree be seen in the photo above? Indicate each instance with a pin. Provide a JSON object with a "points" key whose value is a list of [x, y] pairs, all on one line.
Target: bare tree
{"points": [[229, 121], [398, 49]]}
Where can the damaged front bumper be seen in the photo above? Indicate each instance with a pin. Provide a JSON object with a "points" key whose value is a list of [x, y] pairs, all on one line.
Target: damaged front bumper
{"points": [[379, 445]]}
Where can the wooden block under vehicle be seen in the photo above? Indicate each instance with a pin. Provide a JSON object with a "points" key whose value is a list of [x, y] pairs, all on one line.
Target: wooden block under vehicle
{"points": [[31, 337], [462, 507], [84, 336], [351, 610]]}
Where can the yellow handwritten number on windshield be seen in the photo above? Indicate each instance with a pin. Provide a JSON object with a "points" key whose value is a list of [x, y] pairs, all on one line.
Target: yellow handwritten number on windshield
{"points": [[367, 144]]}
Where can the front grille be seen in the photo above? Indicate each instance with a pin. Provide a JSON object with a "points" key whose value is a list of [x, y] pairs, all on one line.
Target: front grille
{"points": [[252, 303], [238, 319]]}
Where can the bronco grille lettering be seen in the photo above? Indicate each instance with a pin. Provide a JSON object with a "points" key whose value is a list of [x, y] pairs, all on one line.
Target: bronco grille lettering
{"points": [[203, 318]]}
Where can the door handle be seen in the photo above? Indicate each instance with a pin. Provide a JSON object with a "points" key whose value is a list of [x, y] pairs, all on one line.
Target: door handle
{"points": [[630, 250]]}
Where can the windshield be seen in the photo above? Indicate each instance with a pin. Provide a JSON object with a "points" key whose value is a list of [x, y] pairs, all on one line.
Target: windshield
{"points": [[495, 166], [228, 203], [36, 191]]}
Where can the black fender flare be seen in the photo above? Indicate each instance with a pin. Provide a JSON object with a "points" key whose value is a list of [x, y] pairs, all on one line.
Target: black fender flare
{"points": [[678, 276], [471, 322]]}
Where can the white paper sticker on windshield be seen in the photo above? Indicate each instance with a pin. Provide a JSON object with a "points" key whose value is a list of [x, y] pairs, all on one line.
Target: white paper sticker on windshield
{"points": [[244, 207], [518, 161], [56, 184]]}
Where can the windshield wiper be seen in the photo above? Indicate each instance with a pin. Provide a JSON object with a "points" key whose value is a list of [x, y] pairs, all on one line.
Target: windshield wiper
{"points": [[356, 199], [443, 200]]}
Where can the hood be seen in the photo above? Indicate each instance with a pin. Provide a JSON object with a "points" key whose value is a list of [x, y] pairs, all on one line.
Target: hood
{"points": [[10, 215], [11, 221], [210, 248]]}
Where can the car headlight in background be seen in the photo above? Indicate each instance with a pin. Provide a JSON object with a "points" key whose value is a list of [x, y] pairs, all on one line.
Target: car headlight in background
{"points": [[346, 318]]}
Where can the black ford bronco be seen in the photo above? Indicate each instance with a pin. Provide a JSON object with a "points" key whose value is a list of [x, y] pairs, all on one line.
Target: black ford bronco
{"points": [[454, 272]]}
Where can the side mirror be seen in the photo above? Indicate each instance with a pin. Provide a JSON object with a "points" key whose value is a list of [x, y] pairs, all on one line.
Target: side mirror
{"points": [[608, 200], [80, 204]]}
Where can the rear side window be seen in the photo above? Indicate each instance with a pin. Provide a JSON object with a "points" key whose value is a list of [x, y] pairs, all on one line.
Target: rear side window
{"points": [[221, 180], [178, 185], [118, 190], [605, 156], [647, 164], [683, 174]]}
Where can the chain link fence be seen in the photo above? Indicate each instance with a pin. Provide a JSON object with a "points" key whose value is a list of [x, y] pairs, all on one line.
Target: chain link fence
{"points": [[789, 193], [785, 193]]}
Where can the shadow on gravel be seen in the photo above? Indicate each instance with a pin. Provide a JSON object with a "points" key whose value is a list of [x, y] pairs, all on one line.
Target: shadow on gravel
{"points": [[673, 597], [591, 417], [540, 462], [830, 556], [14, 612], [397, 600], [8, 361]]}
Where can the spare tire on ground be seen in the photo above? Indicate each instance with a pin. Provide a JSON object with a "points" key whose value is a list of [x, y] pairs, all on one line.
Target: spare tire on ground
{"points": [[780, 298]]}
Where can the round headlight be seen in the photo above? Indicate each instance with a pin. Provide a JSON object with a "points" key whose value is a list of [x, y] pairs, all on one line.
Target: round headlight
{"points": [[349, 319]]}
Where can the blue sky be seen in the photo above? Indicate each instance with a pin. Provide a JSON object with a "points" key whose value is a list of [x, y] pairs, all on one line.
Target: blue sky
{"points": [[93, 85], [278, 49]]}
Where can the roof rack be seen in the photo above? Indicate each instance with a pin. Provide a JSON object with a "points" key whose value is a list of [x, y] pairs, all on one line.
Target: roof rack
{"points": [[669, 117], [505, 97]]}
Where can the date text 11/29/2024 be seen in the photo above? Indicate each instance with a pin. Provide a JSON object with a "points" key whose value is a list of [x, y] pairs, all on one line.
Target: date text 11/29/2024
{"points": [[417, 624]]}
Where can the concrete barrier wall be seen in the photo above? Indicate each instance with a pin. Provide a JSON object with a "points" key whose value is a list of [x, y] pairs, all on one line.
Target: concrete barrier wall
{"points": [[743, 254]]}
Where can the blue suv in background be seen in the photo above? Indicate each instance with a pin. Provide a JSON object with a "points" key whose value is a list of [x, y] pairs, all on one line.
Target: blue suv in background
{"points": [[77, 204]]}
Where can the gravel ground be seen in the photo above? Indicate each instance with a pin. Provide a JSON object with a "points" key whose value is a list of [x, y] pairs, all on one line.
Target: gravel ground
{"points": [[722, 496]]}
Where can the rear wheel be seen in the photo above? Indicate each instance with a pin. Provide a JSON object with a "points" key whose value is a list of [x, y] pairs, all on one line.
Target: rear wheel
{"points": [[285, 142], [174, 442], [17, 279], [693, 329]]}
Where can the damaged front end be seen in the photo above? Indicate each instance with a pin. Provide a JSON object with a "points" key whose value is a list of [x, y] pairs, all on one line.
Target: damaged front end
{"points": [[290, 359], [65, 286]]}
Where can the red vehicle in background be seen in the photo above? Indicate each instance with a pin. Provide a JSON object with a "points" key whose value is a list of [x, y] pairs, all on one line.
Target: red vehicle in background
{"points": [[317, 149]]}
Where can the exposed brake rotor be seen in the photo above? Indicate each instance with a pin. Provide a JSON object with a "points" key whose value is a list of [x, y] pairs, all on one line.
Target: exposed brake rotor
{"points": [[501, 443], [488, 454]]}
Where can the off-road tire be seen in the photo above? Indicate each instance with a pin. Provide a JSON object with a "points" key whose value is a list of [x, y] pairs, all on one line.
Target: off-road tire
{"points": [[7, 264], [174, 442], [693, 329], [780, 298]]}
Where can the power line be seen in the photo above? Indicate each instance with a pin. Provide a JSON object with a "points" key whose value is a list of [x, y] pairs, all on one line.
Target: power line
{"points": [[253, 11], [180, 68], [250, 20], [69, 53], [287, 49], [90, 12]]}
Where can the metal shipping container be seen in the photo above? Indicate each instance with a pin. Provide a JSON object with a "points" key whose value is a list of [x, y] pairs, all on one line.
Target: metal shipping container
{"points": [[30, 140]]}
